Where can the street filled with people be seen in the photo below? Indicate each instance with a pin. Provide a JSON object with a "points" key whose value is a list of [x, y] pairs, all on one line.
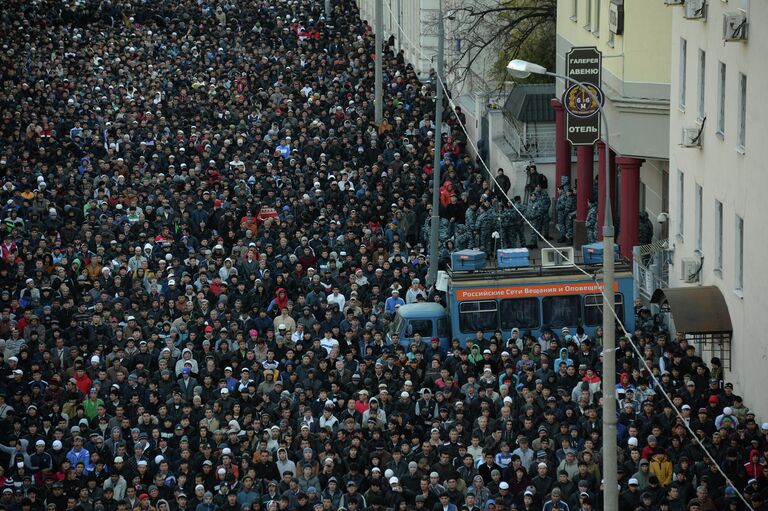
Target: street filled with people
{"points": [[205, 239]]}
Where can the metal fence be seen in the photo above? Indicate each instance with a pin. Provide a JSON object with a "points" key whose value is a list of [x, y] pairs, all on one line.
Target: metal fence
{"points": [[651, 268], [530, 140]]}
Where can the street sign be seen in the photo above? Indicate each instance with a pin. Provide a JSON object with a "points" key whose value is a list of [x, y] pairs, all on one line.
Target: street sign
{"points": [[582, 120]]}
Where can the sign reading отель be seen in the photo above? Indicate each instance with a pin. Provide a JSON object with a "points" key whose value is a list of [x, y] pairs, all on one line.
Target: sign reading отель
{"points": [[585, 65]]}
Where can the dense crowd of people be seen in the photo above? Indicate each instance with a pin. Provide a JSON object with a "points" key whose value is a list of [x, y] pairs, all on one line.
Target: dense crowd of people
{"points": [[204, 239]]}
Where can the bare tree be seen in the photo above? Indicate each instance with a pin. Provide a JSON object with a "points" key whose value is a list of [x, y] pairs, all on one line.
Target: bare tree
{"points": [[502, 30]]}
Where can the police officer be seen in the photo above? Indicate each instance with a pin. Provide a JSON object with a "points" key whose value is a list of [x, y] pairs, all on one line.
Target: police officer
{"points": [[591, 223], [645, 230]]}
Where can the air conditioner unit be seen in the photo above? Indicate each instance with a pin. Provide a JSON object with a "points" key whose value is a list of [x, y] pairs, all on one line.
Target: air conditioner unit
{"points": [[692, 137], [690, 269], [562, 256], [695, 9], [674, 2], [442, 281], [735, 26]]}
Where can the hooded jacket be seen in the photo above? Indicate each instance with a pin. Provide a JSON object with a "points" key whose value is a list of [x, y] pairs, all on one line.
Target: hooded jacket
{"points": [[661, 467], [563, 358]]}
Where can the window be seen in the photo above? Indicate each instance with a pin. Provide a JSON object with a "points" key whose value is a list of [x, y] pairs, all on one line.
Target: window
{"points": [[741, 134], [423, 327], [588, 15], [702, 82], [443, 327], [681, 77], [560, 311], [593, 309], [721, 72], [474, 316], [718, 236], [739, 253], [698, 212], [519, 313], [596, 21], [680, 204]]}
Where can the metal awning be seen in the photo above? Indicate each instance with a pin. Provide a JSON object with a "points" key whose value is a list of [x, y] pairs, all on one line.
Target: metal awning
{"points": [[696, 310], [530, 103]]}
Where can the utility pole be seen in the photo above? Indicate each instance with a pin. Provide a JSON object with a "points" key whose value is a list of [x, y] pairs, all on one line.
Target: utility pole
{"points": [[399, 26], [328, 9], [434, 241], [379, 90], [610, 456]]}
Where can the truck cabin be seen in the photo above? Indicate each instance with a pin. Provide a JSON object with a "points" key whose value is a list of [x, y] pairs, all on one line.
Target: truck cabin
{"points": [[421, 320]]}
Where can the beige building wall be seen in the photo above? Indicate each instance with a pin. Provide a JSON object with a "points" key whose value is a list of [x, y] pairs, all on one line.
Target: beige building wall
{"points": [[728, 173], [636, 75]]}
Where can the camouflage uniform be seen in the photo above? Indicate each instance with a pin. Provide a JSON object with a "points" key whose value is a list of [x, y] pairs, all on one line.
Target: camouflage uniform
{"points": [[463, 237], [543, 206], [425, 230], [488, 223], [645, 234], [591, 223], [445, 230], [512, 227], [566, 205], [570, 213], [538, 210], [473, 228], [443, 233]]}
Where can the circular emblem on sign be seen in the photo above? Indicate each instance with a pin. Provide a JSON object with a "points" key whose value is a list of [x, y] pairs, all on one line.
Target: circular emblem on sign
{"points": [[579, 103]]}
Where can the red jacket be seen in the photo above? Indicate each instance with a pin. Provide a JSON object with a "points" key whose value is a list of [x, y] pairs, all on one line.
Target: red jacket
{"points": [[83, 383]]}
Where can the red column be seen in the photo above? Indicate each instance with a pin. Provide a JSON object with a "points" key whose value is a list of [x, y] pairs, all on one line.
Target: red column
{"points": [[586, 159], [562, 148], [630, 204]]}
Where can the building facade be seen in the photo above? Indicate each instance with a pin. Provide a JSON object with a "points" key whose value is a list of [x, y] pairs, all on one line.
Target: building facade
{"points": [[718, 170], [634, 38]]}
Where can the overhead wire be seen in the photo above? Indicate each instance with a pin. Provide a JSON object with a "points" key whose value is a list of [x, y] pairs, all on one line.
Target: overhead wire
{"points": [[657, 384]]}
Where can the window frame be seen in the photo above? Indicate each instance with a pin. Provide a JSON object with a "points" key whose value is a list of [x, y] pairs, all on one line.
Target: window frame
{"points": [[618, 306], [413, 331], [546, 321], [502, 314], [741, 126], [721, 90], [680, 205], [702, 79], [682, 71], [739, 263], [463, 313], [718, 236], [699, 213], [596, 18], [588, 15]]}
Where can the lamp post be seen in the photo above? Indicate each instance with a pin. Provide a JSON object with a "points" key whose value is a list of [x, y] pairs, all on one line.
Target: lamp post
{"points": [[379, 63], [522, 69], [434, 235]]}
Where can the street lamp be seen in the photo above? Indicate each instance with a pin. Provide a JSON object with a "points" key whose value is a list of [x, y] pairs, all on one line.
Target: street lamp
{"points": [[523, 69], [434, 234]]}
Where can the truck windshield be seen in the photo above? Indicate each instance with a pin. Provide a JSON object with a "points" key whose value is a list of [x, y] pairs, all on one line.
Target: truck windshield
{"points": [[396, 325]]}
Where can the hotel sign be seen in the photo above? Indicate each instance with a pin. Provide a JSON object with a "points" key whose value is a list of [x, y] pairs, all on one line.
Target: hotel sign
{"points": [[585, 65]]}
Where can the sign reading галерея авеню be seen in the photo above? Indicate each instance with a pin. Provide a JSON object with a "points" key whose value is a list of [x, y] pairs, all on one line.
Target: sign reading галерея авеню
{"points": [[583, 64]]}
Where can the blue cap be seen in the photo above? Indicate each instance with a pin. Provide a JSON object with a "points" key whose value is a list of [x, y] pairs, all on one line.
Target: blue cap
{"points": [[186, 370]]}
